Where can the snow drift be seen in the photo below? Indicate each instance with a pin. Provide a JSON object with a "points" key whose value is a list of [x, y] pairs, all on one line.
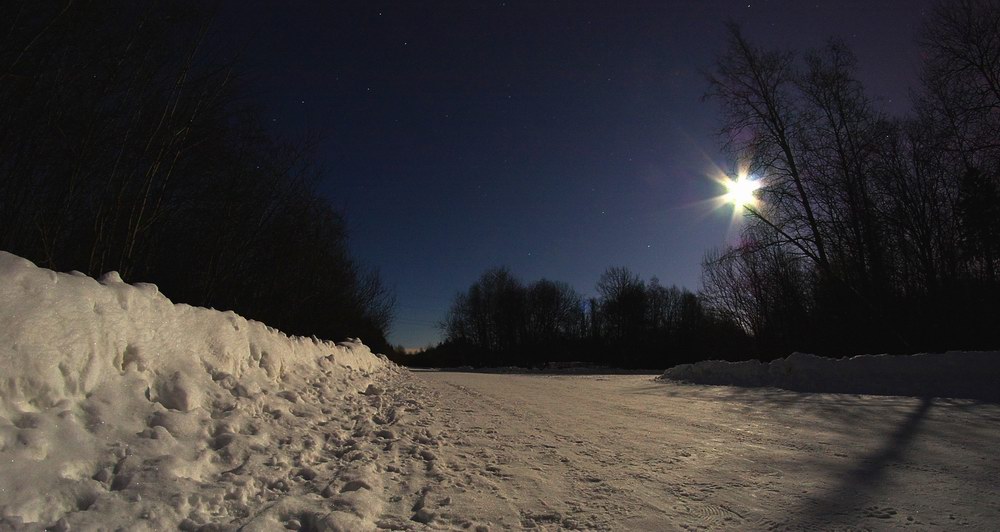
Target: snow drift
{"points": [[118, 407], [966, 375]]}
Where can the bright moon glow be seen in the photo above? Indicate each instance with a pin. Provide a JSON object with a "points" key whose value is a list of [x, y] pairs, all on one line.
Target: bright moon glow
{"points": [[740, 191]]}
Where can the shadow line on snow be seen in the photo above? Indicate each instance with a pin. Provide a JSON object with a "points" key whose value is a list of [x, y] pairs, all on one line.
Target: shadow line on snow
{"points": [[866, 479]]}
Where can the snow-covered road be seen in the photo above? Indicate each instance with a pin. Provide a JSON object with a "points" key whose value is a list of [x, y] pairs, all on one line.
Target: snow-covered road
{"points": [[628, 452]]}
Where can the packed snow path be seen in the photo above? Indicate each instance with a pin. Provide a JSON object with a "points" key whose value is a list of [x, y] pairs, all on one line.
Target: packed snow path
{"points": [[628, 452]]}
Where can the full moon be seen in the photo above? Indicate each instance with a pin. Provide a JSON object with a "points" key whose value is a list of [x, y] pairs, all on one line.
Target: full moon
{"points": [[740, 191]]}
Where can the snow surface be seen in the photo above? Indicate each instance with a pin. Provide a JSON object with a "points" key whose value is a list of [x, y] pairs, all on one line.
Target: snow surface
{"points": [[121, 410], [625, 452], [968, 375]]}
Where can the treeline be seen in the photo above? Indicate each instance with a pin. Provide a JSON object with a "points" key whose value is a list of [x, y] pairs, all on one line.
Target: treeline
{"points": [[501, 321], [127, 143], [872, 233]]}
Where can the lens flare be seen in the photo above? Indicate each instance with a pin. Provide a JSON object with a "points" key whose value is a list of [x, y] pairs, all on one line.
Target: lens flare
{"points": [[740, 191]]}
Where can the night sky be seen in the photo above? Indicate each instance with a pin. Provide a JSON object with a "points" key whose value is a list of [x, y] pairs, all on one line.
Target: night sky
{"points": [[554, 137]]}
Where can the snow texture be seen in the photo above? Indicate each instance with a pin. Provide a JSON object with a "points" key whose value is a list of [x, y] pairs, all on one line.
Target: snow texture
{"points": [[956, 374], [120, 408], [623, 452]]}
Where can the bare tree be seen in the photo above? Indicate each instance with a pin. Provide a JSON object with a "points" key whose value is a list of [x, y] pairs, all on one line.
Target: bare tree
{"points": [[961, 43], [961, 99], [491, 314], [623, 303], [554, 312], [762, 127]]}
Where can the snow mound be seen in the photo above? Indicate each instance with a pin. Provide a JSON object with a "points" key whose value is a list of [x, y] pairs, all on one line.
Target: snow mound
{"points": [[956, 374], [118, 406]]}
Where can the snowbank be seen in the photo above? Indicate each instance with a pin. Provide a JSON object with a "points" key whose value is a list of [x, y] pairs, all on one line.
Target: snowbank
{"points": [[968, 375], [110, 393]]}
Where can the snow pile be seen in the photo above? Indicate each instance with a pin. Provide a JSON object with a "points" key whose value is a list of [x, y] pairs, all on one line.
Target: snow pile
{"points": [[968, 375], [120, 408]]}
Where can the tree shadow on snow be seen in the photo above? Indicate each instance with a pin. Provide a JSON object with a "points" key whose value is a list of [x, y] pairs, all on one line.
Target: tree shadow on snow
{"points": [[885, 430], [866, 479], [857, 485]]}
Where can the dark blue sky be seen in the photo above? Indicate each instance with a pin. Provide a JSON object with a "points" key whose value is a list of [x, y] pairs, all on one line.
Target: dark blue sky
{"points": [[554, 137]]}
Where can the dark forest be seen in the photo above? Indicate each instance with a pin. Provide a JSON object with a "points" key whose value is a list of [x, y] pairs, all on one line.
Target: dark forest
{"points": [[129, 143]]}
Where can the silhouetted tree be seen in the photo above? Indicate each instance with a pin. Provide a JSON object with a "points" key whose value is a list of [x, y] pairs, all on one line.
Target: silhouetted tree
{"points": [[763, 124], [491, 314], [623, 304], [554, 313]]}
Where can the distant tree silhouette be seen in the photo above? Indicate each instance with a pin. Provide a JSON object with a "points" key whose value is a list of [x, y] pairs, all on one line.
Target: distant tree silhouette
{"points": [[554, 313], [623, 304], [633, 324], [491, 314]]}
